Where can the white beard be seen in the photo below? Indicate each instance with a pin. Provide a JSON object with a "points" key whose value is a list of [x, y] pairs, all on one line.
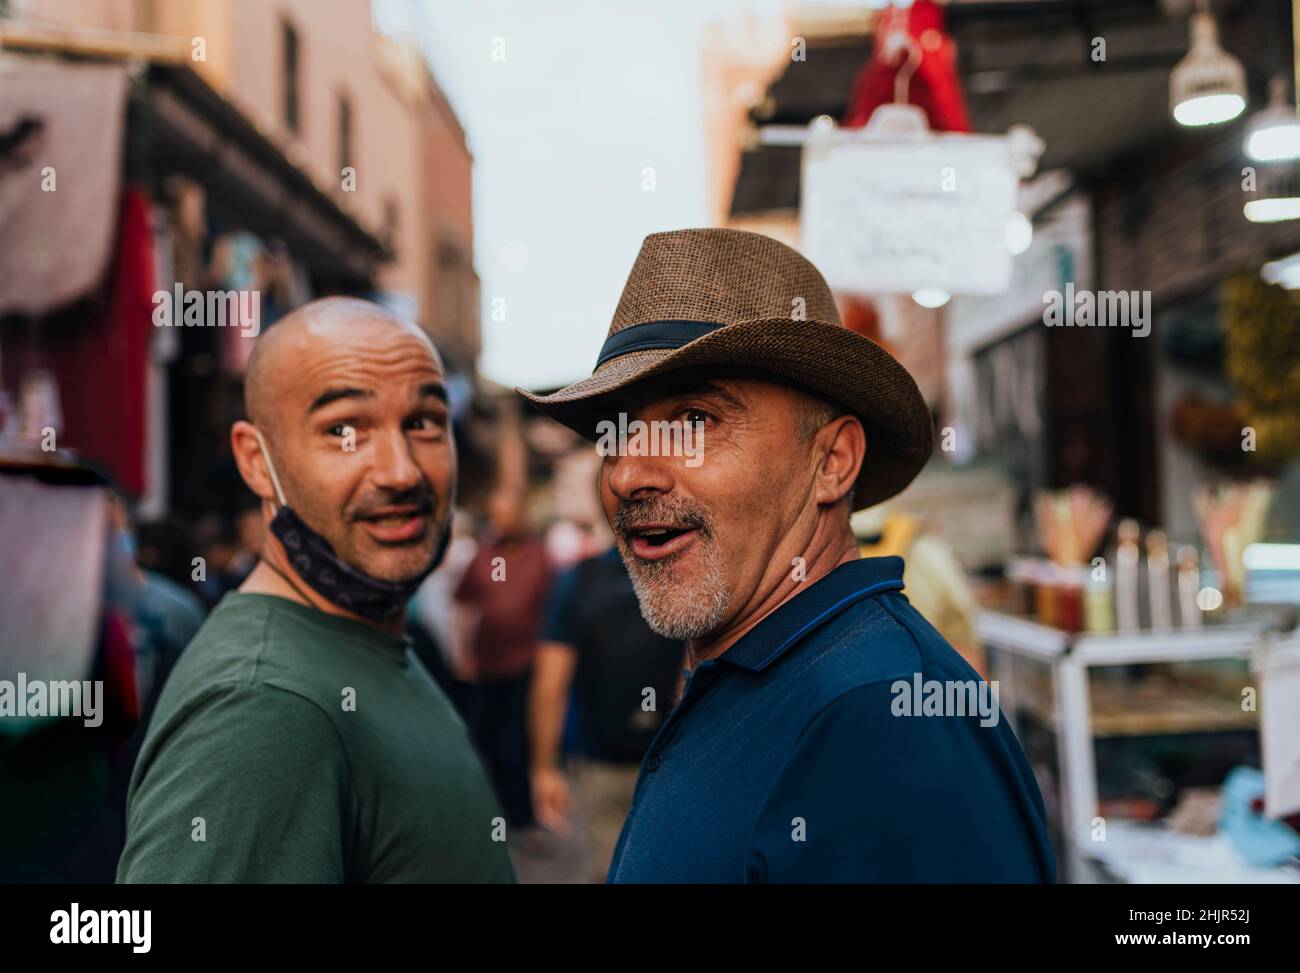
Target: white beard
{"points": [[677, 609]]}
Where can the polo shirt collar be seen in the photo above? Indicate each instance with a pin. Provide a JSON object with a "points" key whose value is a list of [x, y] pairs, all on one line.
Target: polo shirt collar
{"points": [[811, 609]]}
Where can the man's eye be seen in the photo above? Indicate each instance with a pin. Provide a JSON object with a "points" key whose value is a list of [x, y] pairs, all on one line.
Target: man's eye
{"points": [[426, 423], [340, 429], [696, 417]]}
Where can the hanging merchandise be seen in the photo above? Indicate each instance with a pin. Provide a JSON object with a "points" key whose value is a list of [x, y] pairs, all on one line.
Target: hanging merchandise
{"points": [[1231, 517], [911, 41], [59, 189], [52, 607], [101, 366], [1261, 324], [898, 206]]}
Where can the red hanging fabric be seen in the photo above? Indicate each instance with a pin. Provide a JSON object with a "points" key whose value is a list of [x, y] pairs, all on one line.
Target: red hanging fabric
{"points": [[102, 368], [934, 87], [121, 697]]}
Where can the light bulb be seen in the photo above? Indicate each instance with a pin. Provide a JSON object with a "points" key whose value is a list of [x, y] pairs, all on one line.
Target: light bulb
{"points": [[1209, 109], [931, 297], [1274, 132], [1019, 234], [1273, 210], [1208, 86]]}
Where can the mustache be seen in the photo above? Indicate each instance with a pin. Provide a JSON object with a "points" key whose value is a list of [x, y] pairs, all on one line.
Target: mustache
{"points": [[419, 497], [663, 509]]}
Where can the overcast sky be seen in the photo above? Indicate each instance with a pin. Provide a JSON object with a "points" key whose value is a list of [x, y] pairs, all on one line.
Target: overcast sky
{"points": [[586, 97]]}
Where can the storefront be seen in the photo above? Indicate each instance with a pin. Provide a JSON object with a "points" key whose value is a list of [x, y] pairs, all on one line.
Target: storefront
{"points": [[203, 201]]}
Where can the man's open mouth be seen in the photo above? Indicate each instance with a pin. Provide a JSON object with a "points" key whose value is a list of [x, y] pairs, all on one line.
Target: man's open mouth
{"points": [[652, 542], [396, 525]]}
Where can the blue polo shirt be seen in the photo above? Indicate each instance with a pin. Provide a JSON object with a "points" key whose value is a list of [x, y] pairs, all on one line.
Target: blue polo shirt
{"points": [[789, 757]]}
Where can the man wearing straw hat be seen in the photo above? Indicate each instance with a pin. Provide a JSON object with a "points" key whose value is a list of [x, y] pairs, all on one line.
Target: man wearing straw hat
{"points": [[826, 733]]}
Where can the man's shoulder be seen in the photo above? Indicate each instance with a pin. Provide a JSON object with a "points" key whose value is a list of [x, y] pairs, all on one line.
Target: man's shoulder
{"points": [[245, 759], [256, 637], [233, 709], [225, 650], [863, 652], [245, 654]]}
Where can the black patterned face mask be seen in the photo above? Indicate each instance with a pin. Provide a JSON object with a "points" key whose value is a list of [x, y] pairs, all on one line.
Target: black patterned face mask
{"points": [[314, 560]]}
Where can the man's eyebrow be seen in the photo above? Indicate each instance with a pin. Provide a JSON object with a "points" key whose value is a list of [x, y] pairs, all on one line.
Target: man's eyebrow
{"points": [[614, 403], [705, 388], [436, 389], [333, 395]]}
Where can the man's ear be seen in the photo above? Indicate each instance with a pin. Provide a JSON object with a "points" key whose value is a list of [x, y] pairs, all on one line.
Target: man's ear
{"points": [[251, 460], [843, 448]]}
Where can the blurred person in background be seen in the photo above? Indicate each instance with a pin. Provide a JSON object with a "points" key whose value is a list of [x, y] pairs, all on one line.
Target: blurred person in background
{"points": [[579, 530], [167, 547], [218, 542], [499, 601], [230, 544], [432, 617], [250, 535], [164, 615], [148, 621], [933, 578], [622, 677]]}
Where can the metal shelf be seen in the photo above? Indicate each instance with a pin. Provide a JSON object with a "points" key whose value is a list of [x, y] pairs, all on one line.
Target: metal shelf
{"points": [[1069, 657]]}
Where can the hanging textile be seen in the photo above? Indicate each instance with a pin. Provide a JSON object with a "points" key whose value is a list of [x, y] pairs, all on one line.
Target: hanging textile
{"points": [[61, 131], [102, 367], [934, 87], [51, 601]]}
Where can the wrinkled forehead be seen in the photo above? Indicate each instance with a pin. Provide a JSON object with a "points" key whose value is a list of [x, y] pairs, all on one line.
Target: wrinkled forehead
{"points": [[379, 357]]}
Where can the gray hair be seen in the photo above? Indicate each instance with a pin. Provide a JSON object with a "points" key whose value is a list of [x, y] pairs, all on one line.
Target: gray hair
{"points": [[812, 411]]}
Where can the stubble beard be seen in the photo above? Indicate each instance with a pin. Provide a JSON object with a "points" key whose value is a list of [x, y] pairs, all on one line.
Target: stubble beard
{"points": [[675, 606], [398, 563]]}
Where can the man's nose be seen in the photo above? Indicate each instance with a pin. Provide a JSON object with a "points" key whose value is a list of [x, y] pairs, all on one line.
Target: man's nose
{"points": [[394, 468], [632, 477]]}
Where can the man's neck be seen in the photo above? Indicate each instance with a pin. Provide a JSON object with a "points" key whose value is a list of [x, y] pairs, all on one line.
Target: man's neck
{"points": [[274, 576], [819, 560]]}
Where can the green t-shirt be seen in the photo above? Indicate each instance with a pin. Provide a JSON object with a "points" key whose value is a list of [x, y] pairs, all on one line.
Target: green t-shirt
{"points": [[294, 746]]}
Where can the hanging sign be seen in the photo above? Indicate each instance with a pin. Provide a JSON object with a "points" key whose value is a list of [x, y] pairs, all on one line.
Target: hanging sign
{"points": [[885, 213]]}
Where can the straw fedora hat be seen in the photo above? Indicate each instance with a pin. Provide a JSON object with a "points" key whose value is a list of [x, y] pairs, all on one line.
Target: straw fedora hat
{"points": [[732, 298]]}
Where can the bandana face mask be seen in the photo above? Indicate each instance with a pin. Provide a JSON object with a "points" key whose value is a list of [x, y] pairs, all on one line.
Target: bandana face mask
{"points": [[329, 575]]}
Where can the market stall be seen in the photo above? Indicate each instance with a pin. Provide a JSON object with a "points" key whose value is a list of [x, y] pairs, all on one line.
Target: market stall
{"points": [[1086, 688]]}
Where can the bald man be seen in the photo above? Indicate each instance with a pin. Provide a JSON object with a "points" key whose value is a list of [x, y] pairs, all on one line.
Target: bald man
{"points": [[298, 739]]}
